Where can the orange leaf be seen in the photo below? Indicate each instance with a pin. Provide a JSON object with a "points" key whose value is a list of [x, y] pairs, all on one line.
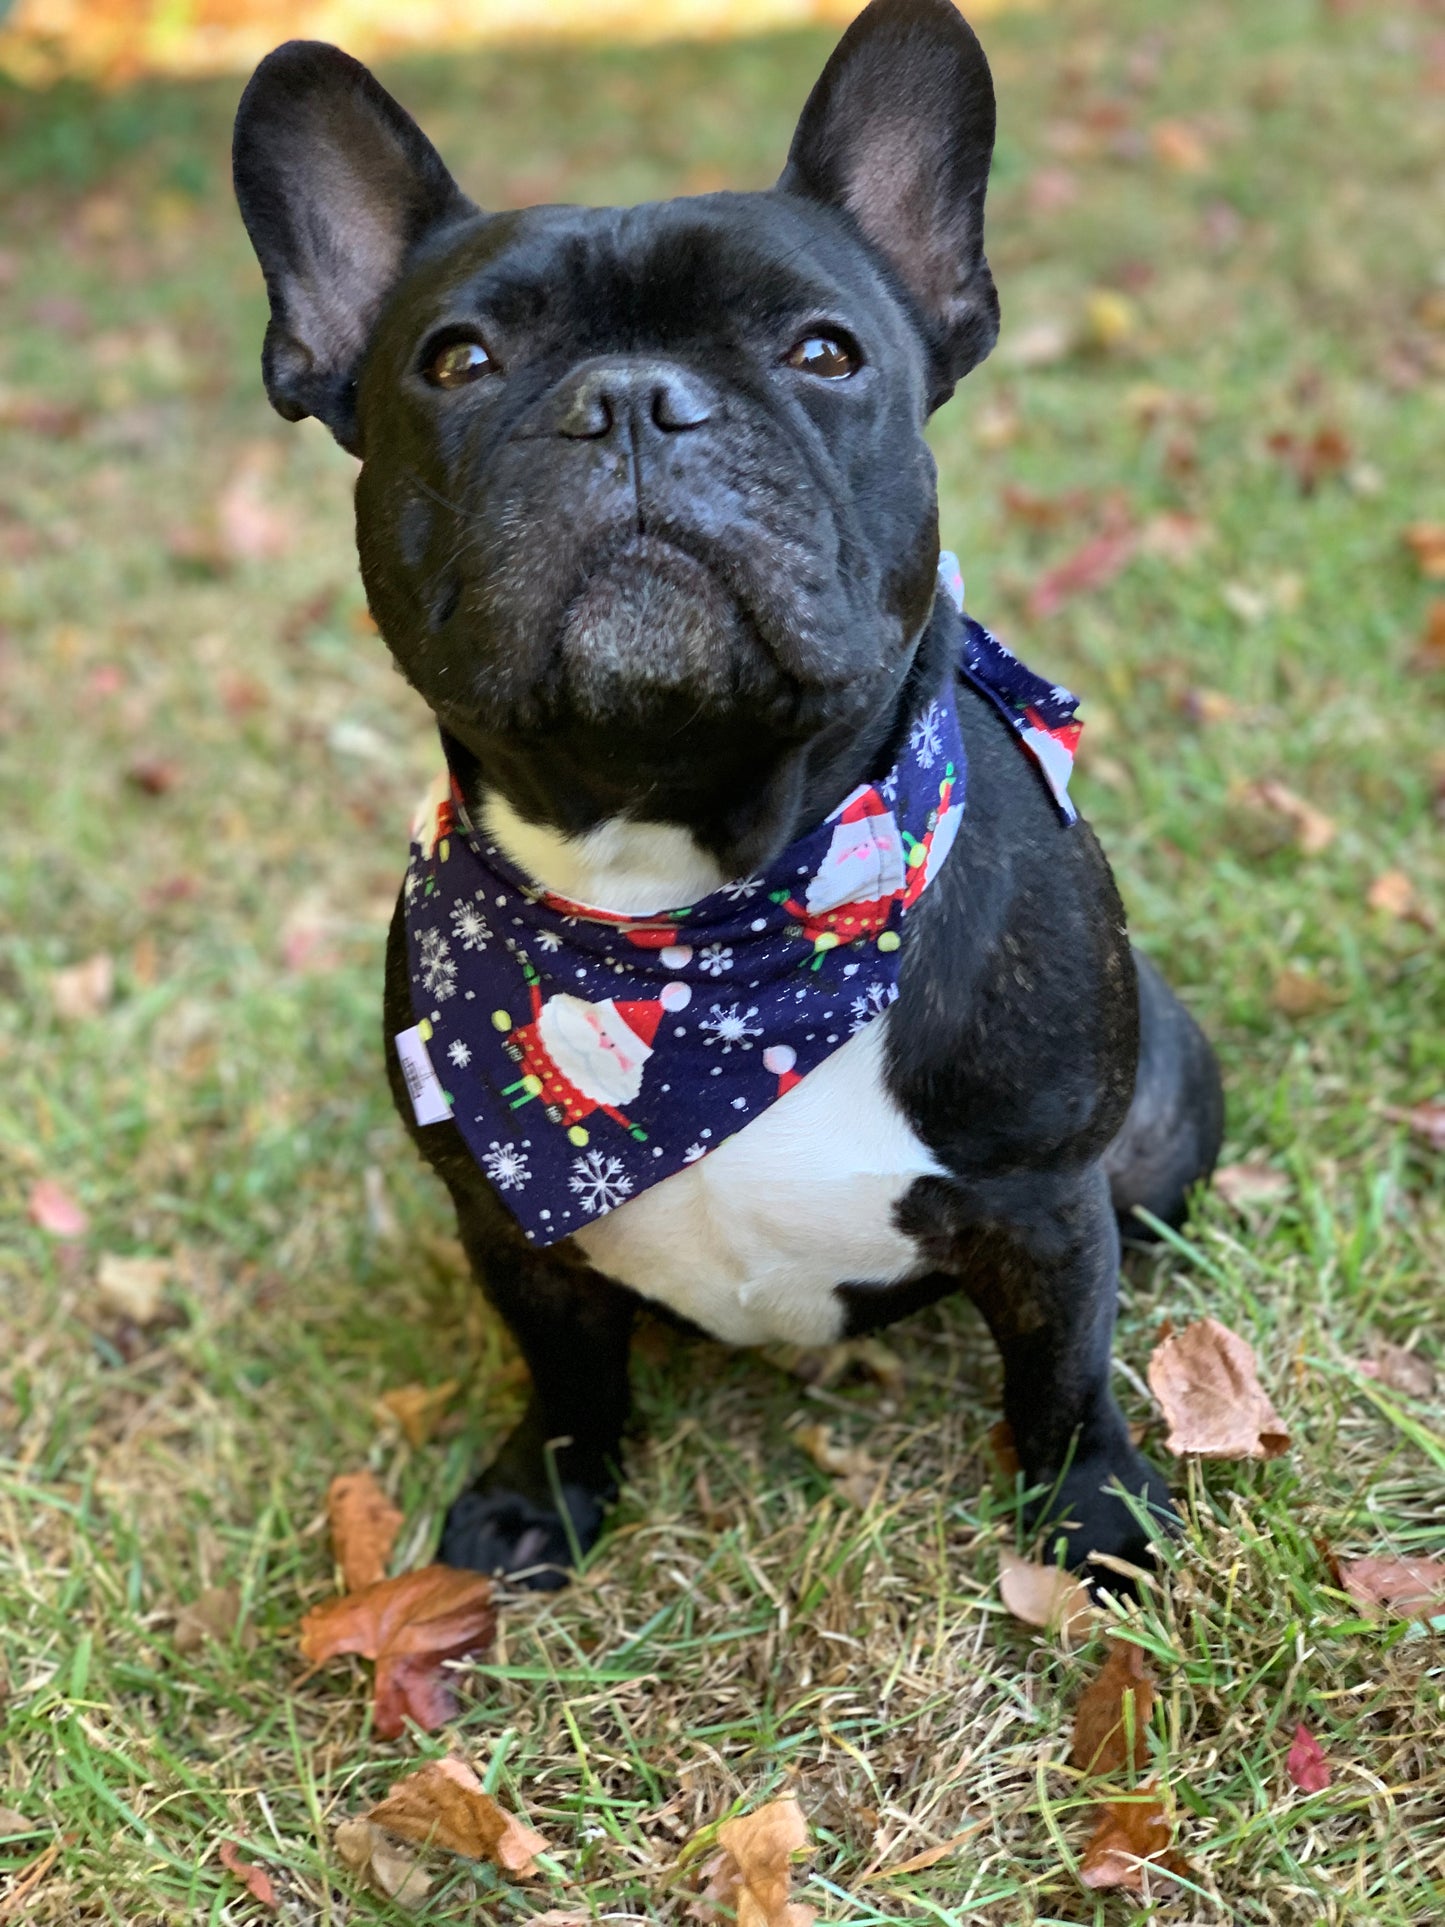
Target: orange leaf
{"points": [[752, 1874], [1406, 1588], [416, 1408], [1043, 1595], [408, 1626], [364, 1524], [1429, 654], [1426, 541], [1296, 993], [1205, 1379], [255, 1879], [1107, 1736], [445, 1806], [1131, 1844]]}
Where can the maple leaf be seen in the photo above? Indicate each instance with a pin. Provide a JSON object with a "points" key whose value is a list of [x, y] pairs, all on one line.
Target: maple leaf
{"points": [[1044, 1595], [1405, 1588], [1112, 1713], [254, 1879], [1132, 1844], [364, 1524], [408, 1626], [751, 1875], [1205, 1379], [1305, 1762], [444, 1805]]}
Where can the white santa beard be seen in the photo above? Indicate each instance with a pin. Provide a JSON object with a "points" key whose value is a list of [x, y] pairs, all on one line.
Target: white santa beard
{"points": [[573, 1046], [874, 868]]}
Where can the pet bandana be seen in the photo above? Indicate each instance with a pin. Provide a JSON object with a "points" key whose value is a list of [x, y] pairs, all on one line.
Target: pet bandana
{"points": [[585, 1056]]}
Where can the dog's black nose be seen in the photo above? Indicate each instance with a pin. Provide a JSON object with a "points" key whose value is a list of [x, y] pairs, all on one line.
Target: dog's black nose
{"points": [[632, 392]]}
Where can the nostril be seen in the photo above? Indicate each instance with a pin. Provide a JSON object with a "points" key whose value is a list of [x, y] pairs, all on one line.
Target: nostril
{"points": [[677, 404], [588, 415]]}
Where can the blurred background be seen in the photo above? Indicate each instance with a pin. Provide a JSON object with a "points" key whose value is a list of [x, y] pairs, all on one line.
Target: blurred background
{"points": [[1200, 481]]}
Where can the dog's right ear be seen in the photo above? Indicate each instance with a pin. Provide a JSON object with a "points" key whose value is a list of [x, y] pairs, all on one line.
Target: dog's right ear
{"points": [[336, 185]]}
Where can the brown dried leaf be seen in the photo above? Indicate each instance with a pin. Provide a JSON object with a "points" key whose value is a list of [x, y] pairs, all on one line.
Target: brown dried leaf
{"points": [[856, 1473], [12, 1823], [408, 1625], [212, 1615], [248, 527], [1400, 1369], [1297, 993], [1206, 1380], [255, 1880], [1092, 566], [1044, 1595], [133, 1288], [1245, 1184], [418, 1408], [1429, 652], [1180, 147], [1311, 459], [1132, 1845], [1393, 894], [1427, 1121], [1000, 1446], [364, 1524], [1405, 1588], [751, 1875], [1426, 542], [1314, 832], [85, 989], [391, 1870], [51, 1207], [1108, 1735], [445, 1806]]}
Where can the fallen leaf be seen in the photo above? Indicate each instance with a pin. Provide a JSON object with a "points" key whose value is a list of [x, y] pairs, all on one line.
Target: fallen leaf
{"points": [[930, 1856], [408, 1625], [1311, 459], [52, 1208], [375, 1857], [1298, 993], [1426, 542], [750, 1877], [417, 1408], [12, 1822], [133, 1288], [1305, 1762], [1038, 344], [1393, 894], [1399, 1369], [1090, 567], [1113, 1712], [364, 1524], [856, 1473], [255, 1880], [1000, 1446], [1205, 1379], [1180, 147], [1110, 319], [248, 527], [1429, 653], [444, 1805], [84, 989], [153, 775], [1132, 1845], [1043, 1595], [1246, 1184], [212, 1615], [1314, 832], [1406, 1588], [1427, 1121], [1178, 538]]}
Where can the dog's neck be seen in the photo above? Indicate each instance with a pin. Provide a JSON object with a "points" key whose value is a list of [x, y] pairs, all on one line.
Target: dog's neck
{"points": [[629, 869]]}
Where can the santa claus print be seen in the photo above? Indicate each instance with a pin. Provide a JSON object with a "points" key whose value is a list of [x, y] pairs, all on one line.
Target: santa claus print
{"points": [[578, 1058]]}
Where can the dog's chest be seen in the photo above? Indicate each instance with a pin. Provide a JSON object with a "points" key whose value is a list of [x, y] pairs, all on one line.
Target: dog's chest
{"points": [[751, 1242]]}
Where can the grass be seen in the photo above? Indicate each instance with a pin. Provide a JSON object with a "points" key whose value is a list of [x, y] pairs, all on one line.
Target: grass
{"points": [[742, 1628]]}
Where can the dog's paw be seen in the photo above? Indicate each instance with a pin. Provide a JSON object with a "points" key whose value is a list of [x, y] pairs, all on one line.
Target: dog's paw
{"points": [[1089, 1513], [494, 1530]]}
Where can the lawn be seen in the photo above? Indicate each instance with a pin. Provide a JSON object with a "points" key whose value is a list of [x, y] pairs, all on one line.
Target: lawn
{"points": [[1217, 400]]}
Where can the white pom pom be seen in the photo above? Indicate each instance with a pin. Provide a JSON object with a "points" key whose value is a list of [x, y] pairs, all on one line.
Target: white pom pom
{"points": [[675, 996], [676, 955], [779, 1059]]}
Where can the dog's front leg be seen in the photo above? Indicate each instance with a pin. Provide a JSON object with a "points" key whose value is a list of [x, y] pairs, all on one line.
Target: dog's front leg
{"points": [[540, 1502], [1039, 1255]]}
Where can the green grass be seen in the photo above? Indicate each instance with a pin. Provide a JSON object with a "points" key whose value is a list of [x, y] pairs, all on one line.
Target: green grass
{"points": [[741, 1628]]}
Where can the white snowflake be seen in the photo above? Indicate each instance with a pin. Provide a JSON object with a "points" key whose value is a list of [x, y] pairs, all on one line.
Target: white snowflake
{"points": [[460, 1052], [412, 883], [438, 966], [924, 738], [731, 1026], [715, 959], [743, 888], [874, 1001], [888, 788], [548, 940], [506, 1166], [470, 927], [693, 1153], [600, 1182]]}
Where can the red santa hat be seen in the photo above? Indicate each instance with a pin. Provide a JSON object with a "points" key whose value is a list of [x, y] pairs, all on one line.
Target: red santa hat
{"points": [[780, 1059], [864, 801], [642, 1016]]}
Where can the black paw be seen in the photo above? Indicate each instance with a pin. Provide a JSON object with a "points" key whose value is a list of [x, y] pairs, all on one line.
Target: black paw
{"points": [[1087, 1510], [498, 1531]]}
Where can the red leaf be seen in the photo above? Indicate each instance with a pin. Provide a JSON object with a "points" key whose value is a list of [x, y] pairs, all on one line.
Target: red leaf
{"points": [[54, 1210], [1306, 1764], [255, 1879], [1407, 1588], [1090, 567]]}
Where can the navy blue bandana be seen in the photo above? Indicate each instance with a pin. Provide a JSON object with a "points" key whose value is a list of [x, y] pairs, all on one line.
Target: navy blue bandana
{"points": [[585, 1056]]}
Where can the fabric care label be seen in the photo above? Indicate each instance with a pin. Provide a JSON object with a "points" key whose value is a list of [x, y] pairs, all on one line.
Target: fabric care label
{"points": [[428, 1100]]}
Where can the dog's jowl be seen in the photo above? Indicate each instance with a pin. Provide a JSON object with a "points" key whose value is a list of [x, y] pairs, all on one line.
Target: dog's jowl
{"points": [[751, 959]]}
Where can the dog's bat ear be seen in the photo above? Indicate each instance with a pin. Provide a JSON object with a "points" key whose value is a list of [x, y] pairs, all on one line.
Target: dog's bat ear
{"points": [[899, 133], [336, 185]]}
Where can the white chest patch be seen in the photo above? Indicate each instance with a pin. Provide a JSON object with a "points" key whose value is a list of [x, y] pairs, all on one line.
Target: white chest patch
{"points": [[750, 1242], [631, 869]]}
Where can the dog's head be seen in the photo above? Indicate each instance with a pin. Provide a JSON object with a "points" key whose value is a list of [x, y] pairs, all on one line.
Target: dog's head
{"points": [[645, 510]]}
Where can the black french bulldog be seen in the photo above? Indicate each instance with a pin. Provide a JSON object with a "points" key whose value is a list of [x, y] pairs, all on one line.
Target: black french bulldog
{"points": [[646, 515]]}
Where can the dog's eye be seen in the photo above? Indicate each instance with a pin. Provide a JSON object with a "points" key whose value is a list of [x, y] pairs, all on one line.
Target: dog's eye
{"points": [[459, 362], [824, 356]]}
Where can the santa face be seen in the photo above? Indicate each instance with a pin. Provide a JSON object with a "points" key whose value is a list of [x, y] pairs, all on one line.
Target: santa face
{"points": [[593, 1049], [864, 861]]}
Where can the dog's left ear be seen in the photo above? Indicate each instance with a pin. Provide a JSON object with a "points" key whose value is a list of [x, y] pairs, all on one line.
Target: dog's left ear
{"points": [[899, 132]]}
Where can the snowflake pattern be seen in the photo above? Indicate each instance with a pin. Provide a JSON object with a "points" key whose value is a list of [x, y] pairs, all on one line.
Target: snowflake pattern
{"points": [[743, 888], [925, 738], [547, 940], [731, 1026], [715, 959], [874, 1001], [470, 927], [693, 1153], [600, 1182], [438, 966], [506, 1166], [460, 1052]]}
